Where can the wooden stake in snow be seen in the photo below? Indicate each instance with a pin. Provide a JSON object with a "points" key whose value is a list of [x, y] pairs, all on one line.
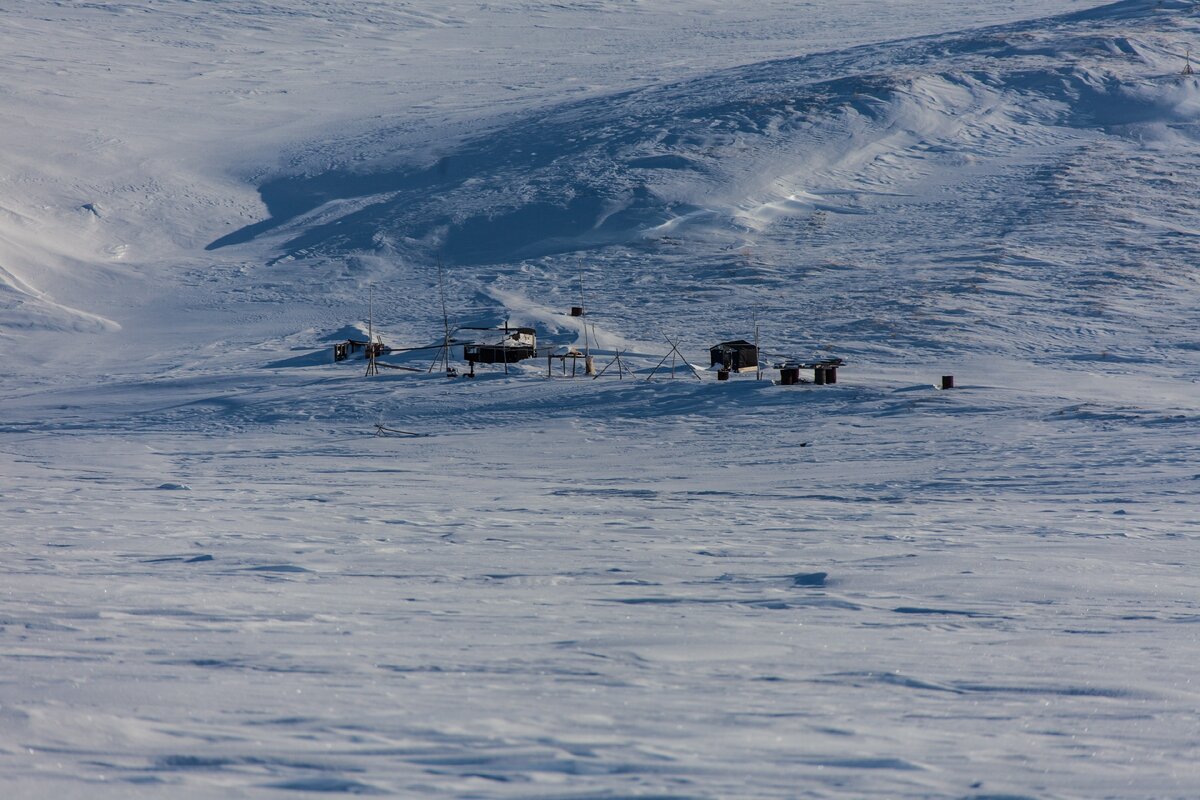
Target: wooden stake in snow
{"points": [[671, 355], [620, 366]]}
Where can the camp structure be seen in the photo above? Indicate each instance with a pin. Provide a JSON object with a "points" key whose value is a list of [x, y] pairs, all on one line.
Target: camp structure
{"points": [[518, 344], [735, 356], [343, 350]]}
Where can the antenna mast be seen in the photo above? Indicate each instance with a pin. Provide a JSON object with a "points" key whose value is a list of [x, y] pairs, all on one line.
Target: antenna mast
{"points": [[445, 316], [372, 367], [589, 366], [587, 344], [757, 354]]}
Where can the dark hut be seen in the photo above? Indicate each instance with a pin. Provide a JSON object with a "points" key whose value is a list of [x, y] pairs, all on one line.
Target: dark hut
{"points": [[737, 356], [518, 345]]}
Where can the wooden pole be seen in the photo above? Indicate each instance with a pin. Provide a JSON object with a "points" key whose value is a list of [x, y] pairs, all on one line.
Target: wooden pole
{"points": [[659, 364], [688, 364], [757, 354], [372, 369], [445, 316], [674, 351], [587, 346], [616, 360]]}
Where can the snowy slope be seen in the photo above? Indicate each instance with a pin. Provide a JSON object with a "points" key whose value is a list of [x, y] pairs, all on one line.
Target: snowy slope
{"points": [[218, 582], [744, 184], [138, 131]]}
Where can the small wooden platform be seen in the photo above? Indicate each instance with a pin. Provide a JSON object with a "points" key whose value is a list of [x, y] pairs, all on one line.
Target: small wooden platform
{"points": [[824, 371]]}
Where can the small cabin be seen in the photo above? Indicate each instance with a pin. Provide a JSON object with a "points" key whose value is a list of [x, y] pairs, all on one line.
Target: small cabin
{"points": [[736, 356], [518, 345]]}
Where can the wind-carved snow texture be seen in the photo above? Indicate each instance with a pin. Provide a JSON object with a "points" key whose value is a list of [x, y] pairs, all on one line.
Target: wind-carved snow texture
{"points": [[870, 157], [217, 581]]}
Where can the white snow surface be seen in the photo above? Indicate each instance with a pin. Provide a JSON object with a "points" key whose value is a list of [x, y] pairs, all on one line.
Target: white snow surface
{"points": [[217, 581]]}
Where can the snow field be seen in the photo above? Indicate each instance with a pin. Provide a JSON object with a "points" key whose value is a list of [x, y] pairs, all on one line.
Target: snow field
{"points": [[218, 583]]}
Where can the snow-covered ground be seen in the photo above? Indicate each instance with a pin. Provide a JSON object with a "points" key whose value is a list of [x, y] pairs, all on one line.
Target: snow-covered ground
{"points": [[216, 581]]}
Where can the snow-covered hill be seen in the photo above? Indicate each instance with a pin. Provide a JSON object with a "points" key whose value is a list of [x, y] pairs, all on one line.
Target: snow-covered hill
{"points": [[218, 582]]}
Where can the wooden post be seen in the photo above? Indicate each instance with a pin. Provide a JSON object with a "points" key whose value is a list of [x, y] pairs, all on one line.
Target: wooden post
{"points": [[372, 369], [947, 381], [819, 376], [757, 354], [445, 317], [831, 374]]}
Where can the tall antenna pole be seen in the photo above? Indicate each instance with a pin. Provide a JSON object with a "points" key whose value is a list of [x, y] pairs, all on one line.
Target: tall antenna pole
{"points": [[505, 350], [587, 345], [372, 369], [445, 316], [757, 355], [589, 366]]}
